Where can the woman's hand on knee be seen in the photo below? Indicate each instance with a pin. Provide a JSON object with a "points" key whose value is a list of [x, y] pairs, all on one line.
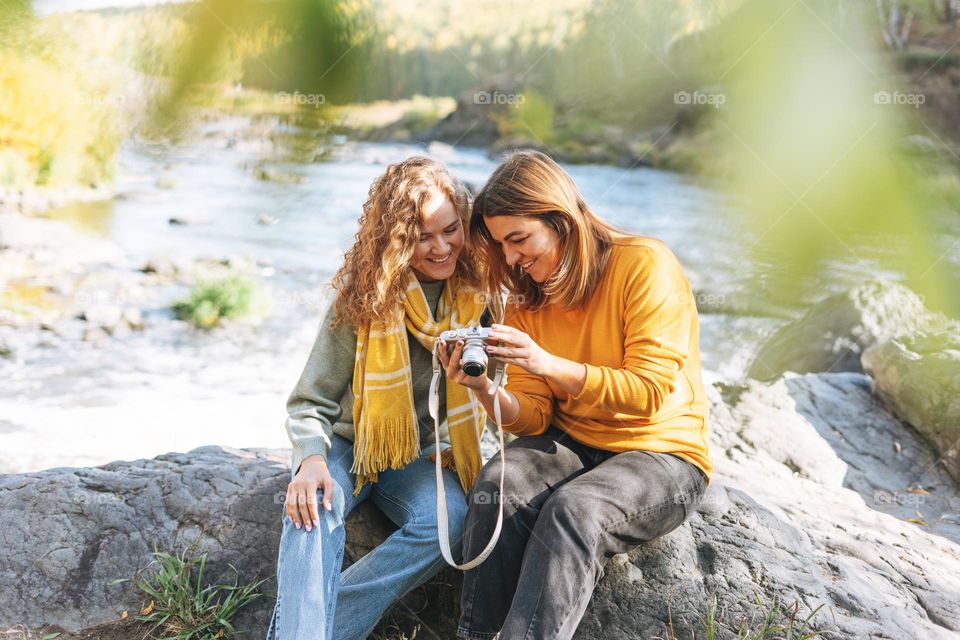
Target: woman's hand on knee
{"points": [[301, 502]]}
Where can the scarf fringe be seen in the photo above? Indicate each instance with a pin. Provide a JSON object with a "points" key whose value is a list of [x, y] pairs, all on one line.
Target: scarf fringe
{"points": [[446, 458], [394, 447], [465, 474], [467, 477]]}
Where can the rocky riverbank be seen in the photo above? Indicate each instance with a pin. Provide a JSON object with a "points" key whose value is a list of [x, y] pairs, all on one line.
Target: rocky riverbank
{"points": [[799, 508], [86, 326], [480, 119], [823, 496], [833, 488]]}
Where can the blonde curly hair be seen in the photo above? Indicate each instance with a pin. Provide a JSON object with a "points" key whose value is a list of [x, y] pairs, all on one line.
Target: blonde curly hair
{"points": [[370, 284]]}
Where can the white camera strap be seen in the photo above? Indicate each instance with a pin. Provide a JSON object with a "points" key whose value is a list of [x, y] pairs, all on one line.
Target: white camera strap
{"points": [[442, 526]]}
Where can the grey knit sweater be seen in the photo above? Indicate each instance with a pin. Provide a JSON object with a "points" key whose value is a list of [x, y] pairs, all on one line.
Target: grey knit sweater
{"points": [[321, 403]]}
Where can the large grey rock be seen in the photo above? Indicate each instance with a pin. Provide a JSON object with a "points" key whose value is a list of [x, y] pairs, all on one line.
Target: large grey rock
{"points": [[888, 464], [68, 534], [785, 522], [785, 516], [918, 376], [834, 332], [474, 121]]}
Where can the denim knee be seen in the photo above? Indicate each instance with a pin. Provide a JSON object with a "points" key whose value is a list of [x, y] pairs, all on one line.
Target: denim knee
{"points": [[330, 520], [569, 517], [456, 519]]}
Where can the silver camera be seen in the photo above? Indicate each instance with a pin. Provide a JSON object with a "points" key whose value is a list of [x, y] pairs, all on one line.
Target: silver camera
{"points": [[473, 362]]}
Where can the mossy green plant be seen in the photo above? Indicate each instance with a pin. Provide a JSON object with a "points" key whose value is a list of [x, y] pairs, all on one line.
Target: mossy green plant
{"points": [[210, 301]]}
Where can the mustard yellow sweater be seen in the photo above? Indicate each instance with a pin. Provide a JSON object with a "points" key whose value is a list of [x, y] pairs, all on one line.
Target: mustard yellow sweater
{"points": [[639, 336]]}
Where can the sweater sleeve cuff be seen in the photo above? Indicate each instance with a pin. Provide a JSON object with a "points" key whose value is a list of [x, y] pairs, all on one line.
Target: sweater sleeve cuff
{"points": [[306, 448], [592, 386]]}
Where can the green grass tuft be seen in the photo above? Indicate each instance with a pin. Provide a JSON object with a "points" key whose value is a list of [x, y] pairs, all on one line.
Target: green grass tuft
{"points": [[182, 607]]}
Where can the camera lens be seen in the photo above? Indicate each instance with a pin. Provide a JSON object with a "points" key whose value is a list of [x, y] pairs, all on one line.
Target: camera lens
{"points": [[473, 362], [474, 368]]}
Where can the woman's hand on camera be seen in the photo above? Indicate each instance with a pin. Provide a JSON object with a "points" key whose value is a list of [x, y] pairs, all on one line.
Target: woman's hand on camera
{"points": [[451, 364], [301, 500], [515, 347]]}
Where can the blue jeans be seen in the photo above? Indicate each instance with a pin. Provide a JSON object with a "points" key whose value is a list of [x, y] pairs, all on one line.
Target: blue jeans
{"points": [[315, 600]]}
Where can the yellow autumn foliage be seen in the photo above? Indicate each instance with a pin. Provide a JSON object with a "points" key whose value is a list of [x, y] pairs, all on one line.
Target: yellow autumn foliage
{"points": [[59, 121]]}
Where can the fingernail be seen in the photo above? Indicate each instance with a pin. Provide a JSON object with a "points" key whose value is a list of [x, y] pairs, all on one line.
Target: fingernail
{"points": [[309, 528], [296, 524], [316, 523]]}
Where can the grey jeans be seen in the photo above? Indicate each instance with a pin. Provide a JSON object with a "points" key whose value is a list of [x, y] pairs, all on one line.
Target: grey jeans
{"points": [[568, 508]]}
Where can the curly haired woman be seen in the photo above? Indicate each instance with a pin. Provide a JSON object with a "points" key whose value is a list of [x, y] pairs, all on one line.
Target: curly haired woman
{"points": [[358, 417], [604, 392]]}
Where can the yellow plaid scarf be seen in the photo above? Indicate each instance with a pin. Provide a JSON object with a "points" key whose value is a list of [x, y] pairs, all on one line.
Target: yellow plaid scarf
{"points": [[386, 434]]}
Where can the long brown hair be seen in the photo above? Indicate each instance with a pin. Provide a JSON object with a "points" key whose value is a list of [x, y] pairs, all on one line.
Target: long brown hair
{"points": [[530, 184], [371, 282]]}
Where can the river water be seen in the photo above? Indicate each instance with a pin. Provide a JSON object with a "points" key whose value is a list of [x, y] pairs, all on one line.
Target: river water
{"points": [[173, 388]]}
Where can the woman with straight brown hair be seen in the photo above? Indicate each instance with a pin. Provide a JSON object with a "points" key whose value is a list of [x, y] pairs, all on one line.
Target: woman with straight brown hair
{"points": [[604, 390]]}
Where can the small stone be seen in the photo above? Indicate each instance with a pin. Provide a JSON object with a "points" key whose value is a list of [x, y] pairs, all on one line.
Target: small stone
{"points": [[186, 220], [282, 177], [95, 334], [133, 317], [106, 316]]}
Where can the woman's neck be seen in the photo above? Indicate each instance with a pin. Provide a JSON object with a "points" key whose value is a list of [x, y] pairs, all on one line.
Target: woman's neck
{"points": [[426, 280]]}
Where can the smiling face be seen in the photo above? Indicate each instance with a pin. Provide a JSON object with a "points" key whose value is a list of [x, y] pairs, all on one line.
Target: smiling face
{"points": [[527, 243], [441, 240]]}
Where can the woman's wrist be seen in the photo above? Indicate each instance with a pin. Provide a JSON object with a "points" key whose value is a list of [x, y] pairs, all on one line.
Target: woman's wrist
{"points": [[509, 407], [485, 385], [552, 367], [314, 458], [565, 374]]}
